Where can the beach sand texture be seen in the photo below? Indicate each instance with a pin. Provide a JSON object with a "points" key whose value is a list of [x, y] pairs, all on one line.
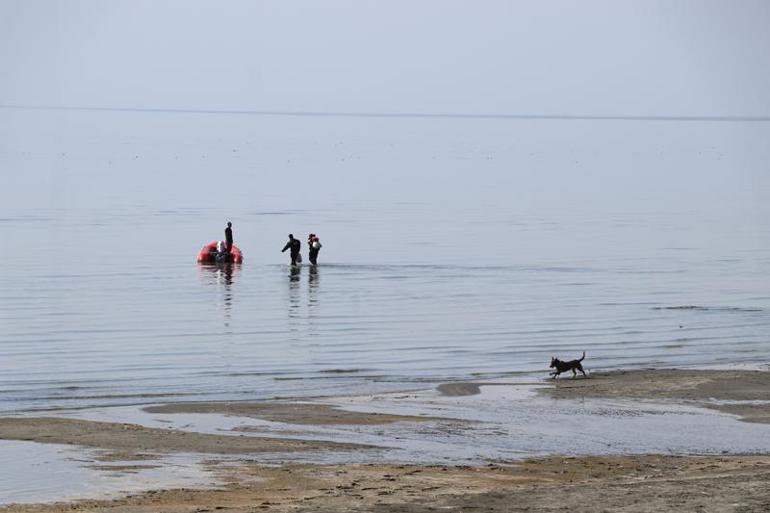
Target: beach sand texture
{"points": [[728, 391], [633, 484], [640, 483]]}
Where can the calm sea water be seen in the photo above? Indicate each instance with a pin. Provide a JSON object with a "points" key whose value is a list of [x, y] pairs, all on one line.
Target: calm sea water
{"points": [[452, 248]]}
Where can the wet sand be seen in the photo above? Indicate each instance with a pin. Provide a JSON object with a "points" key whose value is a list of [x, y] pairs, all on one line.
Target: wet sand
{"points": [[633, 484], [706, 388], [645, 483], [120, 441], [290, 413]]}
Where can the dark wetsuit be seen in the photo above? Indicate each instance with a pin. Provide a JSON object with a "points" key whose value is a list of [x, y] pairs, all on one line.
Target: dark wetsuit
{"points": [[294, 246], [222, 258], [229, 239], [313, 254]]}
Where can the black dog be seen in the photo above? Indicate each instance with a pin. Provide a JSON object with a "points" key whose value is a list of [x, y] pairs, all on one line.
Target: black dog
{"points": [[573, 365]]}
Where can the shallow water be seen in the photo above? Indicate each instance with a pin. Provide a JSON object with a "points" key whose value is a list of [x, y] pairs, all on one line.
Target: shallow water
{"points": [[505, 421], [452, 248], [50, 472]]}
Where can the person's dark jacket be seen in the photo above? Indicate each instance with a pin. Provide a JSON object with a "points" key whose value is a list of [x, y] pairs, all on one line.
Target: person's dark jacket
{"points": [[293, 245]]}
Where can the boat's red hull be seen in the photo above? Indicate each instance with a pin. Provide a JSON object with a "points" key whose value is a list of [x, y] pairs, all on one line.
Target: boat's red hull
{"points": [[205, 255]]}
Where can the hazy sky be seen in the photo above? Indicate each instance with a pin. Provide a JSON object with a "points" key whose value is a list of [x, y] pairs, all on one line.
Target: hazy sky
{"points": [[605, 57]]}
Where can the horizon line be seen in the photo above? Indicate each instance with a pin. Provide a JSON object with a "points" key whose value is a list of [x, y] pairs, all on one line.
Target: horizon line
{"points": [[350, 114]]}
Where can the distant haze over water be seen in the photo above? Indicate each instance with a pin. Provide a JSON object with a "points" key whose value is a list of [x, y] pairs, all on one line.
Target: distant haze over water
{"points": [[453, 248]]}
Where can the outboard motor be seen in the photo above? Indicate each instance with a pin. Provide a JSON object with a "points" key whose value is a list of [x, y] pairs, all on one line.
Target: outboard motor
{"points": [[222, 256]]}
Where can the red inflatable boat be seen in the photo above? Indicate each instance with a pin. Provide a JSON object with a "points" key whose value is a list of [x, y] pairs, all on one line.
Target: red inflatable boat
{"points": [[208, 255]]}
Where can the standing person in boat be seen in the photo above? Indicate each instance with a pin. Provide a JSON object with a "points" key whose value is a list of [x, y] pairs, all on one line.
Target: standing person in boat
{"points": [[294, 246], [229, 237], [315, 247]]}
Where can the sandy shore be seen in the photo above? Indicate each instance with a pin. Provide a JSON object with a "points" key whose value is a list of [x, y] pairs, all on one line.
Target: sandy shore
{"points": [[645, 483], [124, 441], [631, 484], [699, 387], [132, 442], [290, 413]]}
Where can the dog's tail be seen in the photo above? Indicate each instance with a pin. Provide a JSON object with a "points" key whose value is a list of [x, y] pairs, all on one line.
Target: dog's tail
{"points": [[582, 357]]}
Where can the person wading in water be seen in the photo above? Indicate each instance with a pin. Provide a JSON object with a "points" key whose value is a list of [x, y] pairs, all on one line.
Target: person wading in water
{"points": [[315, 247], [294, 246]]}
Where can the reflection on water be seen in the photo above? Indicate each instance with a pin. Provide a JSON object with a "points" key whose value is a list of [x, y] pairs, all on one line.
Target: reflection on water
{"points": [[312, 283], [294, 301], [294, 273], [222, 275], [302, 302]]}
